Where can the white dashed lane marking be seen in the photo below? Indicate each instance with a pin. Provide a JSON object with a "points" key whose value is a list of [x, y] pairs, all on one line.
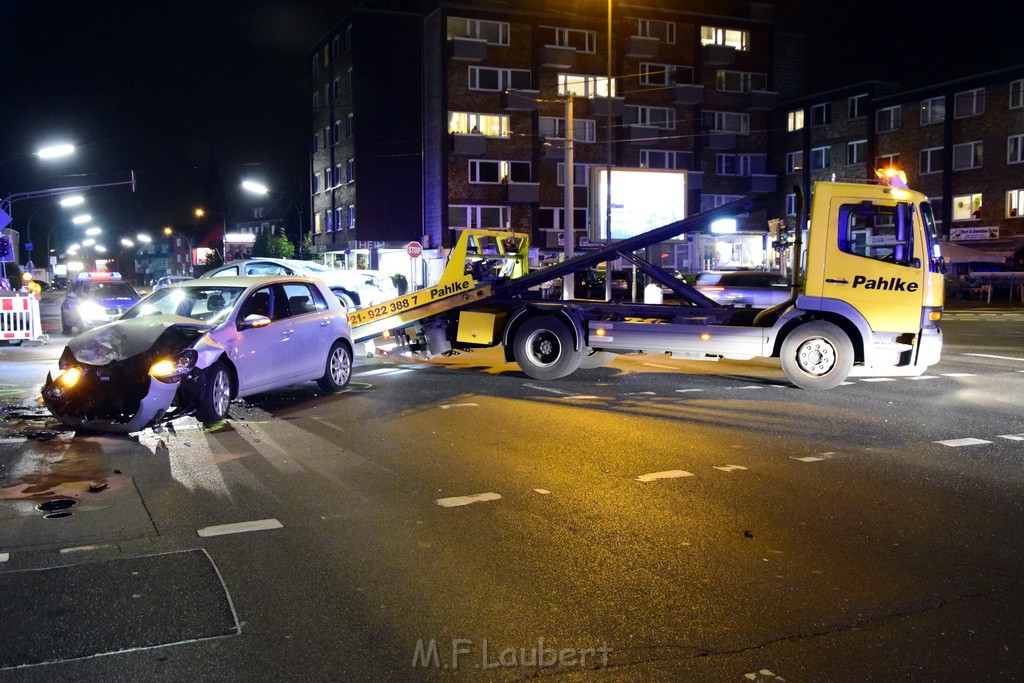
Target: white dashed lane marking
{"points": [[730, 468], [459, 501], [667, 474], [878, 379], [812, 458], [4, 557], [1012, 437], [956, 443], [958, 374], [446, 406], [239, 527]]}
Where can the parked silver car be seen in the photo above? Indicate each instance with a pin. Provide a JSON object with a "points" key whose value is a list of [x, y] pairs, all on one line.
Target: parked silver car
{"points": [[750, 288], [355, 288]]}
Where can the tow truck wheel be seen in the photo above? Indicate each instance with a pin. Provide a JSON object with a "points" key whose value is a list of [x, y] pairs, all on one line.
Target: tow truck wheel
{"points": [[543, 348], [339, 368], [215, 398], [596, 359], [817, 355]]}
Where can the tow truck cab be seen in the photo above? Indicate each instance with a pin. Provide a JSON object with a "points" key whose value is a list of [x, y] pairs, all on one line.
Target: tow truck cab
{"points": [[873, 266]]}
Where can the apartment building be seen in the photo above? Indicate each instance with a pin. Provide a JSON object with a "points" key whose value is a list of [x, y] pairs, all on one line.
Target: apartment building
{"points": [[473, 96], [938, 135]]}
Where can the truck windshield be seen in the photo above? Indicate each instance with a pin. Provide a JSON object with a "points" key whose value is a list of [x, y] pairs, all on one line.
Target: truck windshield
{"points": [[931, 237]]}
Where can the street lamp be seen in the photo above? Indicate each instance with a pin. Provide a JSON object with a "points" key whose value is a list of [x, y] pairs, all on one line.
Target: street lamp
{"points": [[55, 151], [262, 190]]}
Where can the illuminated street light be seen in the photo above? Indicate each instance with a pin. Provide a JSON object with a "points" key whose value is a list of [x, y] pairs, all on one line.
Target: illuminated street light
{"points": [[74, 200], [89, 242], [92, 232], [255, 187], [81, 218], [100, 248], [125, 242], [55, 151], [144, 238]]}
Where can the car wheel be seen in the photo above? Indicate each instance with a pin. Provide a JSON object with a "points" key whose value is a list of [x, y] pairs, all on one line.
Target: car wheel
{"points": [[543, 348], [596, 359], [817, 355], [65, 327], [339, 368], [215, 398]]}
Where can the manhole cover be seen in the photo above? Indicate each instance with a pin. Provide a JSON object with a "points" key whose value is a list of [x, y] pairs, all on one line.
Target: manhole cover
{"points": [[56, 505]]}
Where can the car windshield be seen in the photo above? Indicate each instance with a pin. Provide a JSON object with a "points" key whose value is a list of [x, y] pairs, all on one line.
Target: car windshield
{"points": [[107, 290], [208, 303], [314, 267]]}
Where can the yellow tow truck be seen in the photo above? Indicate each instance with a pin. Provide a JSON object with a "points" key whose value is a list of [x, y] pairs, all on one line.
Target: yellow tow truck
{"points": [[867, 298]]}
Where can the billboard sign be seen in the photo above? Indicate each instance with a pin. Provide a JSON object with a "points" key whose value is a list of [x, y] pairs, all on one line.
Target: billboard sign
{"points": [[641, 199]]}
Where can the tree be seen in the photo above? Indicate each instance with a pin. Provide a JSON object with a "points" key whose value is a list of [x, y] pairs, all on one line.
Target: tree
{"points": [[308, 251], [272, 245]]}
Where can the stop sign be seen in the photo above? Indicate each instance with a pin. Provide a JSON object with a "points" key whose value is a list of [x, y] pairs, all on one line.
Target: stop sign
{"points": [[414, 249]]}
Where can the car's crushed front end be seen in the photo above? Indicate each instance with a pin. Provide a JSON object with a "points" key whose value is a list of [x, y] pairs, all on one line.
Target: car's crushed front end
{"points": [[126, 376]]}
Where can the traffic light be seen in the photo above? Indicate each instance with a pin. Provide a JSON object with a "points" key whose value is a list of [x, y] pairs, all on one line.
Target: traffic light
{"points": [[6, 253], [785, 238]]}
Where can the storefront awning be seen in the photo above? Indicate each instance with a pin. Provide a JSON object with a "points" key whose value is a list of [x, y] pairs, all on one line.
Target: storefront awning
{"points": [[1000, 250]]}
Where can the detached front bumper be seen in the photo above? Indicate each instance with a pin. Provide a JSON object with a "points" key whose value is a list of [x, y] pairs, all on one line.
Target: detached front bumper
{"points": [[95, 402]]}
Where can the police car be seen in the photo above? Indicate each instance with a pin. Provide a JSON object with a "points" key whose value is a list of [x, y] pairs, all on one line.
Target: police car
{"points": [[95, 298]]}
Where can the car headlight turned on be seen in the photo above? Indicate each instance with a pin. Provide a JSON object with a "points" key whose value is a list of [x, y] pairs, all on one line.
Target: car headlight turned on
{"points": [[92, 311], [66, 380], [175, 367]]}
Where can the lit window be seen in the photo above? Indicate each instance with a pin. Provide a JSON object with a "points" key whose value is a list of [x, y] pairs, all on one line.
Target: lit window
{"points": [[739, 40], [795, 120]]}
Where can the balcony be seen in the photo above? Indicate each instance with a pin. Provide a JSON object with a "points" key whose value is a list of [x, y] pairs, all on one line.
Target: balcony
{"points": [[520, 100], [640, 134], [761, 100], [467, 49], [639, 46], [689, 94], [719, 55], [598, 106], [469, 144], [764, 182], [720, 140], [522, 193], [556, 57]]}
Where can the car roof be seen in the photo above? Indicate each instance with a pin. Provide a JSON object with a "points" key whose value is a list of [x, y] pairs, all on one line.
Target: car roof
{"points": [[243, 281]]}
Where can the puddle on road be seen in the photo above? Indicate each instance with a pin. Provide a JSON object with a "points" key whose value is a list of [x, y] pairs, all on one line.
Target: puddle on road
{"points": [[54, 468]]}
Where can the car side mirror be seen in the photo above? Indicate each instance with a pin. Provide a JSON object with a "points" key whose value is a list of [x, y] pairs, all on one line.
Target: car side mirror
{"points": [[253, 320]]}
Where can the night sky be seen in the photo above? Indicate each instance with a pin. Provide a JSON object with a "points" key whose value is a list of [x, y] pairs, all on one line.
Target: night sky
{"points": [[183, 93], [195, 96]]}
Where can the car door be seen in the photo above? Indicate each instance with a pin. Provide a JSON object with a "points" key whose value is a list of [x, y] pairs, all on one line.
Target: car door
{"points": [[263, 356], [309, 327]]}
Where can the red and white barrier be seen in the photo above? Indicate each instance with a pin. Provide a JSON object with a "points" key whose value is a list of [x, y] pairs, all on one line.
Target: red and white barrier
{"points": [[19, 318]]}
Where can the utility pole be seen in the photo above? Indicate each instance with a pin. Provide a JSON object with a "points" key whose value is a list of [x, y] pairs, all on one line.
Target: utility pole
{"points": [[568, 280]]}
